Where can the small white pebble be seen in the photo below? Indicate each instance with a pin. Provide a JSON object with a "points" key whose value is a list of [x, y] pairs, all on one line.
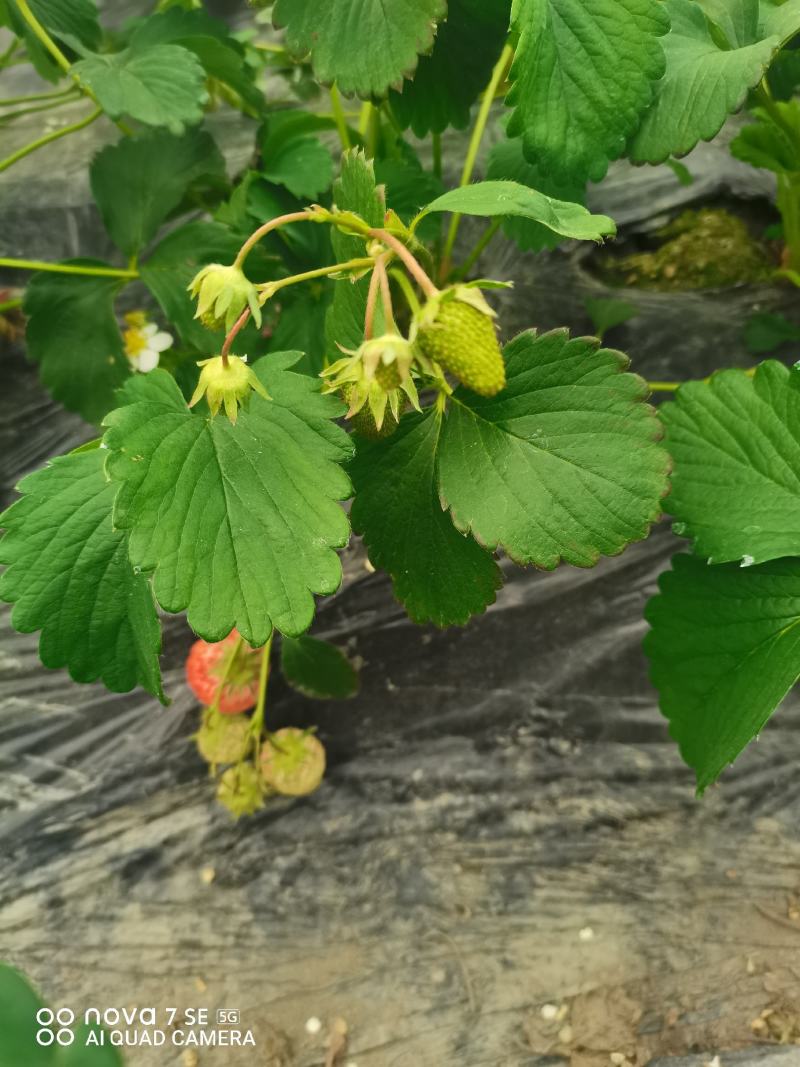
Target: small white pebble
{"points": [[714, 1063], [618, 1058], [368, 567], [549, 1011], [313, 1025], [207, 875], [190, 1058], [586, 934], [565, 1035], [417, 774], [439, 975]]}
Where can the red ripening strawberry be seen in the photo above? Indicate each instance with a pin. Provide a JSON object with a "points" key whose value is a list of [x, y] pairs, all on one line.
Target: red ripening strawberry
{"points": [[207, 664]]}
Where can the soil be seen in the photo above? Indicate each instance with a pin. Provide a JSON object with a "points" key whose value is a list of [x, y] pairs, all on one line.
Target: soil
{"points": [[702, 248]]}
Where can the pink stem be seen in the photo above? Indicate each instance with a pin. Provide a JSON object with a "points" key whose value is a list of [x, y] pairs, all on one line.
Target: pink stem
{"points": [[226, 347], [262, 231], [414, 268], [372, 299], [386, 293]]}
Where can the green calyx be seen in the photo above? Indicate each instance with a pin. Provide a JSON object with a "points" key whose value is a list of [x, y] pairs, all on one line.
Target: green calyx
{"points": [[222, 294], [456, 330], [375, 381], [227, 384]]}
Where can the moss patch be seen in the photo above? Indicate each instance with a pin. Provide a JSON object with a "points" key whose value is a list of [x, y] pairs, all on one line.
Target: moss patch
{"points": [[706, 249]]}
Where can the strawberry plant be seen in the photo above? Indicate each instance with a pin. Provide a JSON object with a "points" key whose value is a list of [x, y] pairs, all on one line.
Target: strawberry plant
{"points": [[314, 330]]}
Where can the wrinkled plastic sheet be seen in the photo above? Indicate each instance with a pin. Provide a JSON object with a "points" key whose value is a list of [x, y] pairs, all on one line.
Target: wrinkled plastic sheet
{"points": [[505, 823]]}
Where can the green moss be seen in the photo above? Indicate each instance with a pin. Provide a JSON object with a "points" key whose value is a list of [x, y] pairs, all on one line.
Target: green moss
{"points": [[705, 249]]}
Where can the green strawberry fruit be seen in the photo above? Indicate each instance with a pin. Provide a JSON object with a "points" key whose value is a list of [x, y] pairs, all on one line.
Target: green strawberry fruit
{"points": [[223, 738], [241, 790], [388, 376], [462, 340]]}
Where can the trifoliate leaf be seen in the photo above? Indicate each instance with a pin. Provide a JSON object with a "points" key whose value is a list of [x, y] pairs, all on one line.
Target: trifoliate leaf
{"points": [[222, 56], [563, 464], [303, 165], [735, 443], [19, 1003], [438, 574], [172, 265], [365, 46], [724, 651], [70, 577], [765, 332], [447, 83], [764, 143], [354, 190], [70, 20], [504, 198], [582, 76], [606, 314], [710, 68], [507, 161], [140, 180], [74, 337], [238, 523], [317, 668], [159, 86]]}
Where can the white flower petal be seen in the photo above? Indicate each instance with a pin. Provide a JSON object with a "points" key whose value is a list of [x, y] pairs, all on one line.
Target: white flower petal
{"points": [[148, 360], [150, 329], [159, 342]]}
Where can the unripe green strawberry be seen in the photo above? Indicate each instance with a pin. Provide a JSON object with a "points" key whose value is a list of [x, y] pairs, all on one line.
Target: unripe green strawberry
{"points": [[463, 341], [223, 738], [241, 790], [388, 376], [363, 422], [212, 321]]}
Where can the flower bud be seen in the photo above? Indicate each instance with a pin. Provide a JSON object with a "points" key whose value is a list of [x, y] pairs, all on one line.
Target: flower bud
{"points": [[227, 386], [222, 294]]}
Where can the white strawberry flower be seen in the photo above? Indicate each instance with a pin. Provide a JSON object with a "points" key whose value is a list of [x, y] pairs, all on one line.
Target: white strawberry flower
{"points": [[144, 342]]}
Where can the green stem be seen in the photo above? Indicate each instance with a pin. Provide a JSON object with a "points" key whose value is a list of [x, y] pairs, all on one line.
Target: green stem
{"points": [[33, 97], [341, 121], [9, 52], [47, 105], [10, 305], [43, 36], [407, 289], [268, 289], [234, 652], [479, 249], [373, 133], [67, 268], [664, 387], [363, 118], [498, 74], [436, 139], [257, 721], [47, 138]]}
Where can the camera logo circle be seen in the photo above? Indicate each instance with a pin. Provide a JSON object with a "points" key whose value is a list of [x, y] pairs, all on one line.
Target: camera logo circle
{"points": [[61, 1033]]}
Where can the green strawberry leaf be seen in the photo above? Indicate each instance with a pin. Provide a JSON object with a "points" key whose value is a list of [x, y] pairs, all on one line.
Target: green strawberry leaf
{"points": [[140, 180], [766, 144], [724, 651], [564, 464], [710, 68], [70, 20], [238, 523], [317, 669], [507, 161], [69, 576], [365, 46], [439, 575], [735, 443], [765, 332], [582, 76], [447, 83], [504, 198], [172, 265], [73, 335], [354, 190], [159, 86], [222, 56], [303, 165], [606, 314]]}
